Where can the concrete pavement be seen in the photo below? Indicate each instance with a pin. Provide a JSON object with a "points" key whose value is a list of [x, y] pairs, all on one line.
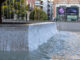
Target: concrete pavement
{"points": [[68, 26]]}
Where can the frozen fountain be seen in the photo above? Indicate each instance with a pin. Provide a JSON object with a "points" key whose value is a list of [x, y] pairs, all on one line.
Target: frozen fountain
{"points": [[37, 41], [62, 45], [17, 40]]}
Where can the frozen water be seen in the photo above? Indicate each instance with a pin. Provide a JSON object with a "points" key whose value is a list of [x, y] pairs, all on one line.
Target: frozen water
{"points": [[61, 44]]}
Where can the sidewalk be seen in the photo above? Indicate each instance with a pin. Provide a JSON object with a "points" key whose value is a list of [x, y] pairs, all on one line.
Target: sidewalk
{"points": [[68, 26]]}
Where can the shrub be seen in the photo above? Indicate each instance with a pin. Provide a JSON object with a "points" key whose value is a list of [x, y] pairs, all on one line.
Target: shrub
{"points": [[38, 14]]}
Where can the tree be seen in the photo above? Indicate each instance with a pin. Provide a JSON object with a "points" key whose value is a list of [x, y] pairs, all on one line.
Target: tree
{"points": [[12, 7], [1, 1], [38, 14]]}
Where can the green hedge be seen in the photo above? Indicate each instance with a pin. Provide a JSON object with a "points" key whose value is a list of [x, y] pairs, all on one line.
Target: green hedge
{"points": [[38, 14]]}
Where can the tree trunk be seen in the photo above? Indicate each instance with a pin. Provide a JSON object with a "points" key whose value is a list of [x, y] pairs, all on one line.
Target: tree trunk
{"points": [[0, 15]]}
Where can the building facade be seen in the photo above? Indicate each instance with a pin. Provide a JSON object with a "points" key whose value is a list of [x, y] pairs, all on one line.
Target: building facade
{"points": [[50, 9], [66, 10], [31, 3], [42, 4], [45, 5]]}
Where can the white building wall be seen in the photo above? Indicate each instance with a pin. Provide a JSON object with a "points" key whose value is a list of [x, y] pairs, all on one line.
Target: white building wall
{"points": [[45, 3]]}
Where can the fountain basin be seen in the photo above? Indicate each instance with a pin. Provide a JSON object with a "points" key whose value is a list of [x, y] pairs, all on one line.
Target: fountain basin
{"points": [[22, 38]]}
